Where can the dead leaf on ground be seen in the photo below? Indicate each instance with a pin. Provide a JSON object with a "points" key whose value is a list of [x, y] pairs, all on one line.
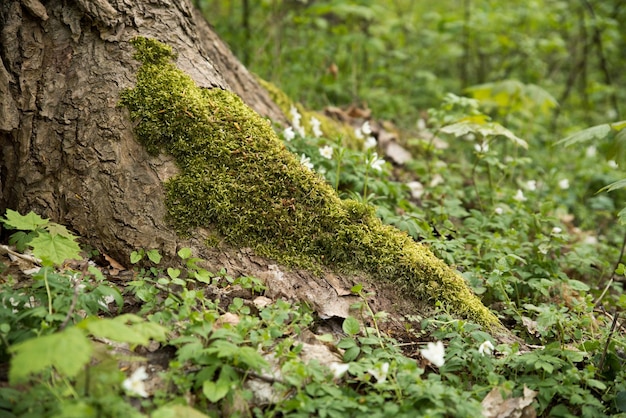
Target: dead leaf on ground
{"points": [[495, 406]]}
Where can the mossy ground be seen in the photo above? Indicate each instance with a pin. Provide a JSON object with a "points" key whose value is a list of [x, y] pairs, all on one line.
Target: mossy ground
{"points": [[237, 177]]}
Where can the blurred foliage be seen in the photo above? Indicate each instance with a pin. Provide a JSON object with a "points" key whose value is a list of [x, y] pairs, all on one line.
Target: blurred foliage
{"points": [[401, 57]]}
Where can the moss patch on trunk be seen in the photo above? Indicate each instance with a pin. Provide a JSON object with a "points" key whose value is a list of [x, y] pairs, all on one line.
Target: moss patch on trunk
{"points": [[237, 178]]}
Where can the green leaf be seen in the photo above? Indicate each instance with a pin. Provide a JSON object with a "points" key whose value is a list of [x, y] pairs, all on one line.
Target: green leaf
{"points": [[136, 256], [56, 229], [67, 351], [357, 288], [214, 391], [29, 222], [620, 401], [184, 253], [55, 248], [173, 273], [619, 184], [486, 130], [589, 134], [351, 354], [117, 329], [177, 411], [351, 326], [154, 256]]}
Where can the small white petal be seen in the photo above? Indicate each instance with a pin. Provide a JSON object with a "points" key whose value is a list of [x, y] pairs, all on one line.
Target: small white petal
{"points": [[486, 348], [531, 185], [370, 142], [556, 230], [612, 164], [564, 184], [435, 353], [365, 128], [519, 196], [498, 210], [289, 134], [338, 369], [326, 152], [417, 189]]}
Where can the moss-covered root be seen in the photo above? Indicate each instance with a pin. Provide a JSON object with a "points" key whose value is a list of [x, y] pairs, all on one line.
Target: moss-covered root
{"points": [[237, 178]]}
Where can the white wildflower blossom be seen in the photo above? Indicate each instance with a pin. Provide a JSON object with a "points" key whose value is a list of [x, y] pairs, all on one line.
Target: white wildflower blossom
{"points": [[338, 369], [612, 164], [300, 131], [326, 152], [519, 196], [295, 115], [486, 348], [421, 124], [591, 240], [531, 185], [481, 148], [289, 134], [556, 230], [380, 372], [358, 133], [315, 126], [470, 137], [366, 128], [590, 152], [306, 161], [377, 163], [134, 384], [417, 189], [370, 142], [564, 184], [611, 114], [498, 210], [436, 180], [435, 353]]}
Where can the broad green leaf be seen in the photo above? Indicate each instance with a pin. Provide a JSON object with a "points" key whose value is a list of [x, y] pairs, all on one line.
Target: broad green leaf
{"points": [[29, 222], [173, 273], [357, 288], [351, 354], [351, 326], [184, 253], [490, 129], [154, 256], [619, 184], [620, 401], [214, 391], [135, 256], [326, 338], [118, 329], [589, 134], [56, 229], [177, 411], [55, 248], [67, 351]]}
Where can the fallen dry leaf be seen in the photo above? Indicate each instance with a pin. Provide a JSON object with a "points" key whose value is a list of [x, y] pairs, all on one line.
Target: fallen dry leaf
{"points": [[495, 406]]}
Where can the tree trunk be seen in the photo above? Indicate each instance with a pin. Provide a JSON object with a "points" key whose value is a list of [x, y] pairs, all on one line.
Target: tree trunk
{"points": [[69, 150]]}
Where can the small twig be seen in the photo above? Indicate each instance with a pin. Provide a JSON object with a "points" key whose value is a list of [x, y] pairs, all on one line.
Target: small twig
{"points": [[72, 306], [4, 249], [608, 341]]}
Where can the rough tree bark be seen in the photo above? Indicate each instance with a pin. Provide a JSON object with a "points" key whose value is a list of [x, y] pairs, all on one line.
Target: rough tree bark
{"points": [[68, 151]]}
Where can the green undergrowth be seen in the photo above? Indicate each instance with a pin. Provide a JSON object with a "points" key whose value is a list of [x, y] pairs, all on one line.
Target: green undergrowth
{"points": [[238, 178]]}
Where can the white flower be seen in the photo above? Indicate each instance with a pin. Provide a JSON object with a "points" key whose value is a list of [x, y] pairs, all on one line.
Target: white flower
{"points": [[531, 185], [519, 196], [421, 124], [376, 163], [295, 115], [370, 142], [556, 230], [498, 210], [315, 125], [434, 352], [366, 128], [486, 348], [380, 372], [436, 180], [612, 164], [611, 114], [417, 189], [591, 151], [134, 384], [470, 137], [358, 133], [482, 148], [300, 131], [590, 239], [338, 369], [326, 152], [306, 161], [289, 134], [564, 184]]}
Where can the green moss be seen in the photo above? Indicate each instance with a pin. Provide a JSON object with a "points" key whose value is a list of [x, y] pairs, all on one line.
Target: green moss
{"points": [[237, 178]]}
